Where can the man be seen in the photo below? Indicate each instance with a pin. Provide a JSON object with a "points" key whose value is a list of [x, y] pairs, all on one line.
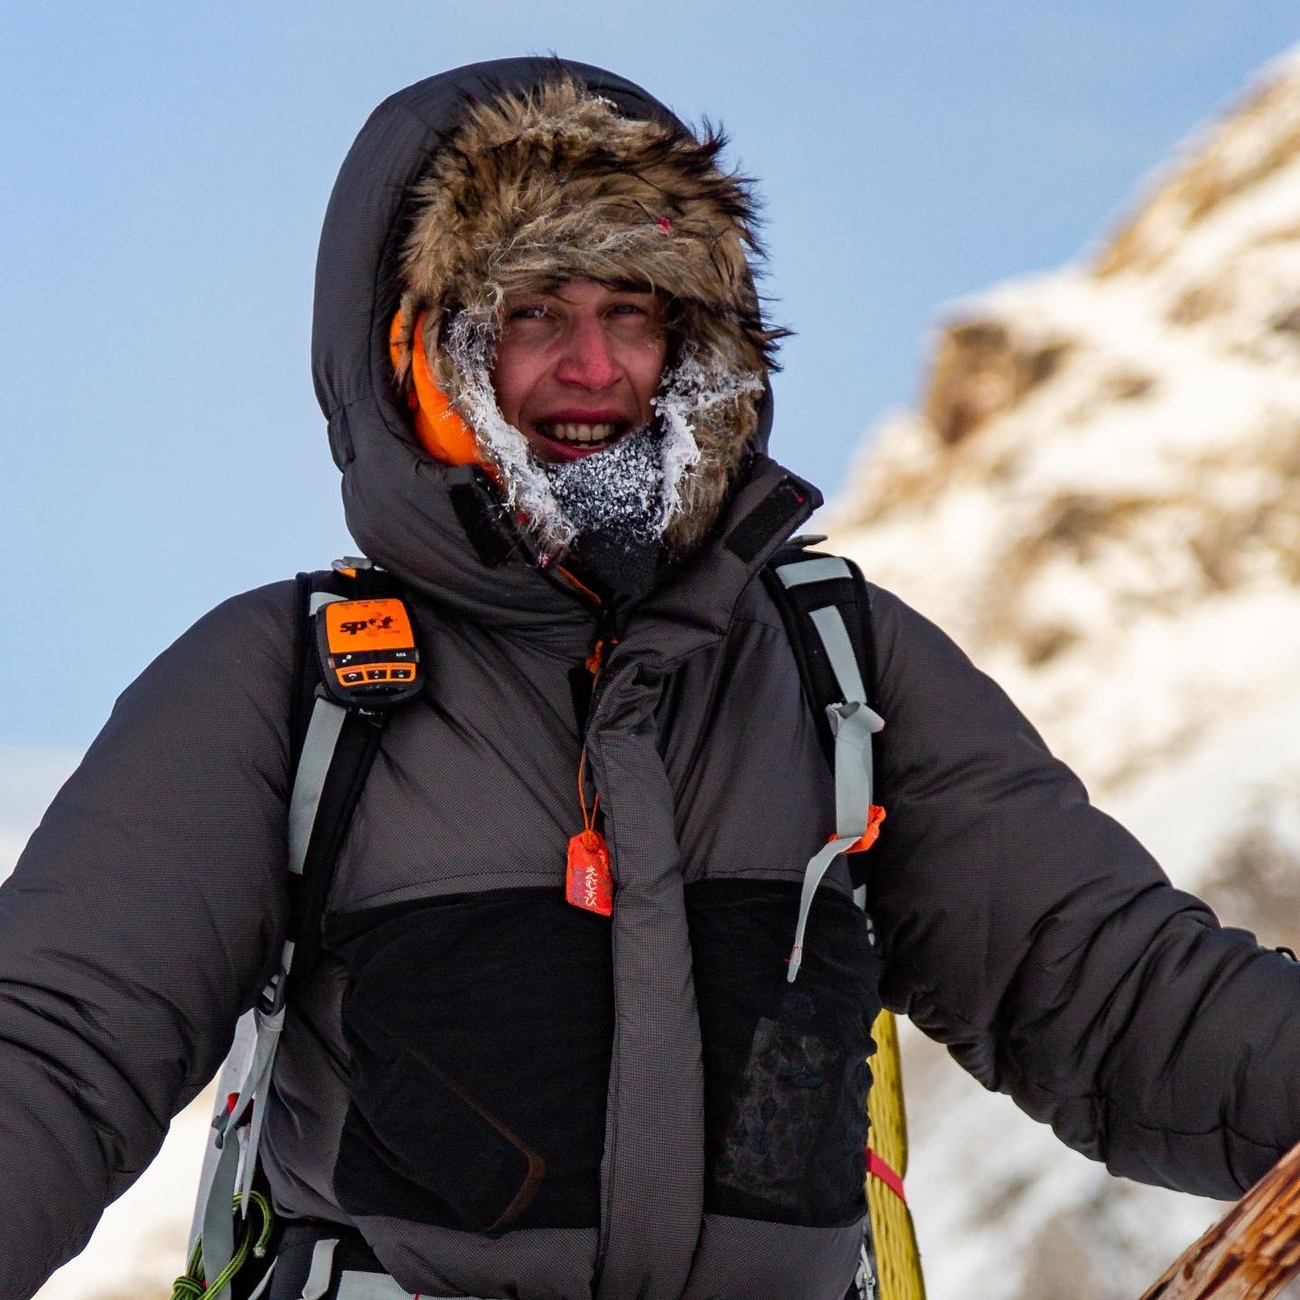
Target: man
{"points": [[543, 363]]}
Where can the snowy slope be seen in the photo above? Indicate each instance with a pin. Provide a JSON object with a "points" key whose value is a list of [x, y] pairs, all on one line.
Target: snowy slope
{"points": [[1100, 499], [995, 1196]]}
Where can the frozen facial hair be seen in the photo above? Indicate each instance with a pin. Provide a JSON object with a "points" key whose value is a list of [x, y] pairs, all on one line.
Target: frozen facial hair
{"points": [[615, 501], [612, 507], [619, 490]]}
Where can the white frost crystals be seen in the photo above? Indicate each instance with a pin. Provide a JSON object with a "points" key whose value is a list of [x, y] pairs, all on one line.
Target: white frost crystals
{"points": [[619, 491], [694, 387], [626, 476]]}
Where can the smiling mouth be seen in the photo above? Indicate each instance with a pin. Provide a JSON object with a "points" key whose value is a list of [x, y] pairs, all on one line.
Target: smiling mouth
{"points": [[577, 434]]}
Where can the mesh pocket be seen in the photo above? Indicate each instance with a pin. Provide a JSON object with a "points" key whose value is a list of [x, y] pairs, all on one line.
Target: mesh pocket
{"points": [[786, 1073]]}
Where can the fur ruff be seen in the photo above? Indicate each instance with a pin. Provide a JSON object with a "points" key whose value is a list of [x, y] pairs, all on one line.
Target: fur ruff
{"points": [[533, 190]]}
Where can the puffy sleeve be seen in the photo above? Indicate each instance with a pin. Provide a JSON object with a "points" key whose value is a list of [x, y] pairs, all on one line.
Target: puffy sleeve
{"points": [[142, 919], [1036, 937]]}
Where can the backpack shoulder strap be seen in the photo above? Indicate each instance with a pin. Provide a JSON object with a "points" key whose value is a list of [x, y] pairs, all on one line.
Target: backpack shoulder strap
{"points": [[826, 609], [824, 603], [355, 660]]}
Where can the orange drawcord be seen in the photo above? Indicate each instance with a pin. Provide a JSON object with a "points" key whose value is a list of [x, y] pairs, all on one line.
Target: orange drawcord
{"points": [[588, 822]]}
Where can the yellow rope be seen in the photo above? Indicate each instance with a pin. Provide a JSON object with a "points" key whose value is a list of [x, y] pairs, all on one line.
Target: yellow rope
{"points": [[898, 1260]]}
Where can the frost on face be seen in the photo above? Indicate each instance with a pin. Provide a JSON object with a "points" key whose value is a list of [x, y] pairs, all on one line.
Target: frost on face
{"points": [[471, 347], [619, 490], [691, 393], [633, 489]]}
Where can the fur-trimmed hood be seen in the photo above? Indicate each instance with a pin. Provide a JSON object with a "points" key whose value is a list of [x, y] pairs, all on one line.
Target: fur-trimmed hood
{"points": [[523, 172], [558, 184]]}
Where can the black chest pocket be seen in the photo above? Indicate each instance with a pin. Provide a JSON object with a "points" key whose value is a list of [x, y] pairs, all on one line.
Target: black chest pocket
{"points": [[480, 1029]]}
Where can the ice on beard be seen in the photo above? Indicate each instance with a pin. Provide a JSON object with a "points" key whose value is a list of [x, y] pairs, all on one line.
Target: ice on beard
{"points": [[618, 491], [629, 492]]}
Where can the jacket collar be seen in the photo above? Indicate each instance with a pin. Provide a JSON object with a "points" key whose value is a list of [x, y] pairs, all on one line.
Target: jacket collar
{"points": [[459, 549]]}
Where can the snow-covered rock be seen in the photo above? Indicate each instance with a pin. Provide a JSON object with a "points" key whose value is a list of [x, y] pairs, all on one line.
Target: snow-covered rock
{"points": [[1100, 498]]}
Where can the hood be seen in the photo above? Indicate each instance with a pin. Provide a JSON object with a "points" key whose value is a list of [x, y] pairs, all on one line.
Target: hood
{"points": [[396, 495]]}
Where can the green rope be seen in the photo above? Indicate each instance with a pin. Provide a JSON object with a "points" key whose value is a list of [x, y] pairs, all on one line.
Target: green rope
{"points": [[191, 1285]]}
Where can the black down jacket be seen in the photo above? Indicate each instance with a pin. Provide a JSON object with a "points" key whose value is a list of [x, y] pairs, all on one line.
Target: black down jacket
{"points": [[698, 1121]]}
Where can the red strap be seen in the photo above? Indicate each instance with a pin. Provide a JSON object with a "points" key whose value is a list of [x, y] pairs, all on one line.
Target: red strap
{"points": [[877, 1168]]}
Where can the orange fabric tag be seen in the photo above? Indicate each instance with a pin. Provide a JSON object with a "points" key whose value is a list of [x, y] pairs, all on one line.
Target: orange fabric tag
{"points": [[589, 884]]}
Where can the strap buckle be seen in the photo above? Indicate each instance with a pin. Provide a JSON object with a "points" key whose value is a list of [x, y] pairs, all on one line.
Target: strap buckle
{"points": [[270, 1001]]}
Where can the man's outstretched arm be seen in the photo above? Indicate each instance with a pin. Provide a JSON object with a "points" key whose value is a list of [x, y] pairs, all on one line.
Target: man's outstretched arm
{"points": [[141, 920], [1040, 941]]}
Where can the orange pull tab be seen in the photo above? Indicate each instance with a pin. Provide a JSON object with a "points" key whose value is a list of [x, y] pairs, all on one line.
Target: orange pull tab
{"points": [[589, 883], [875, 815]]}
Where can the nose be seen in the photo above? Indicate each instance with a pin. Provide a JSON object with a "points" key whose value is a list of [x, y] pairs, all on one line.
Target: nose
{"points": [[587, 357]]}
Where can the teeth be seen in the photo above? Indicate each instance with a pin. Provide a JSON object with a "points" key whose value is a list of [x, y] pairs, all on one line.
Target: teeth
{"points": [[578, 432]]}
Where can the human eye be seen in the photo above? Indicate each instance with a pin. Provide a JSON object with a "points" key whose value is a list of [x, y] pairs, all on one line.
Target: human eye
{"points": [[526, 311], [639, 313], [636, 306]]}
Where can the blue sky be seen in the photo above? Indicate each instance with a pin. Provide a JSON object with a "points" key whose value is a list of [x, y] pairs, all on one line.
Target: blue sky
{"points": [[166, 168]]}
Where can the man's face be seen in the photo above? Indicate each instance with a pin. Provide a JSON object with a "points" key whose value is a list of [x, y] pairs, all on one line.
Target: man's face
{"points": [[578, 365]]}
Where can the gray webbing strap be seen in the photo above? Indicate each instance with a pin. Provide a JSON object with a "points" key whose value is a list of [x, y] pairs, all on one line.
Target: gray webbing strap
{"points": [[839, 650], [853, 723], [229, 1079], [322, 737], [259, 1068], [812, 877], [313, 765], [264, 1285], [322, 1269], [269, 1029], [373, 1286], [319, 598], [353, 1284], [314, 761], [218, 1221], [820, 568]]}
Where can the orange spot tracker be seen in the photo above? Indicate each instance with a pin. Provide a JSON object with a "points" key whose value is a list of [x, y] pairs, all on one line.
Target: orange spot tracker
{"points": [[367, 649], [353, 625], [589, 883]]}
